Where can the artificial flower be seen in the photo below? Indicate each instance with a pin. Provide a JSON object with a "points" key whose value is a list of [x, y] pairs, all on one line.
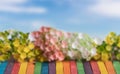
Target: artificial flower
{"points": [[22, 48], [97, 56], [118, 56], [16, 43], [51, 42], [118, 45], [82, 46], [104, 56], [97, 41], [109, 48], [5, 46]]}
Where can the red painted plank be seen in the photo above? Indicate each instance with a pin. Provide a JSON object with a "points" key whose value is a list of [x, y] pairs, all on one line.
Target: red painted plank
{"points": [[94, 67], [73, 67], [16, 68]]}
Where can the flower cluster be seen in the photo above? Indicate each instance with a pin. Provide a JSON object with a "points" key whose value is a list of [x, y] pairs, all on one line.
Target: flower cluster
{"points": [[50, 41], [113, 44], [80, 46], [49, 44], [103, 52], [23, 48], [59, 45], [109, 49], [16, 45], [5, 46]]}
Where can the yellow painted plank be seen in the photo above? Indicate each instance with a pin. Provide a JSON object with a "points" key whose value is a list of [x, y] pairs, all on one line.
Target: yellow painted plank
{"points": [[23, 68], [59, 67], [102, 67]]}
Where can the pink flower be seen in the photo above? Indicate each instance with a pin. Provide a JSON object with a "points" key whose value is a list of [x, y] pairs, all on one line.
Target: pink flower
{"points": [[42, 47], [50, 43], [47, 36], [44, 29], [53, 41], [59, 33], [56, 47], [60, 56], [36, 34], [52, 57], [47, 49], [64, 44], [47, 42], [67, 34], [36, 43]]}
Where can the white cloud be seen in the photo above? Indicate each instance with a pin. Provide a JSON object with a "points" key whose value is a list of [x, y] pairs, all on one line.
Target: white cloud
{"points": [[10, 2], [38, 24], [107, 8], [25, 25], [14, 6], [18, 9]]}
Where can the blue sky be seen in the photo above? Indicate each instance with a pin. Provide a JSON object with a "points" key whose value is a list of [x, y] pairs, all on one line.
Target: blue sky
{"points": [[94, 17]]}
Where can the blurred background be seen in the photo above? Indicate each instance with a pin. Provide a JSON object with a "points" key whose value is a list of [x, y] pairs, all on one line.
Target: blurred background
{"points": [[94, 17]]}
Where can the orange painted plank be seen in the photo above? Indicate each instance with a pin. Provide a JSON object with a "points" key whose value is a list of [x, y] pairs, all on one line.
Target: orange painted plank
{"points": [[30, 68], [66, 67], [109, 67]]}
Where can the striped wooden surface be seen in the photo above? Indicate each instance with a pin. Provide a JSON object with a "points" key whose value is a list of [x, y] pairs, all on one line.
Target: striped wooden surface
{"points": [[65, 67]]}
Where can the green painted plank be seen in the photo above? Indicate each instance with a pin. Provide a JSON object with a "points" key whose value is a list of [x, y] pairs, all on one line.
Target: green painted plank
{"points": [[37, 68], [80, 67], [116, 65]]}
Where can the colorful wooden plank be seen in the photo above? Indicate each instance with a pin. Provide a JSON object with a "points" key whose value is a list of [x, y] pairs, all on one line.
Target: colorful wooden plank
{"points": [[87, 68], [3, 67], [102, 67], [9, 67], [66, 67], [117, 66], [23, 68], [73, 67], [44, 69], [30, 68], [80, 67], [16, 68], [52, 69], [59, 67], [37, 69], [109, 67], [94, 67]]}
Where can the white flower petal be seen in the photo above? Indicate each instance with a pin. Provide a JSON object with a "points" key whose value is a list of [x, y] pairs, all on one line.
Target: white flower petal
{"points": [[85, 54], [74, 45], [80, 35], [9, 37], [1, 38], [97, 41], [70, 54], [30, 37], [93, 51], [81, 49]]}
